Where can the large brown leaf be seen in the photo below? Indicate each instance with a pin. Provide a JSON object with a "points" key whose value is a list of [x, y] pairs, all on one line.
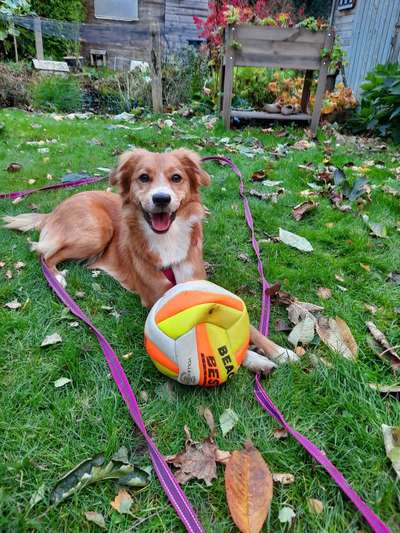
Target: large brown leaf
{"points": [[336, 334], [248, 485], [198, 460]]}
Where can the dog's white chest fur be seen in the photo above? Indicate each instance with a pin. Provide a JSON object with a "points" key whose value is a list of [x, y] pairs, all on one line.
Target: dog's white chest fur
{"points": [[172, 247]]}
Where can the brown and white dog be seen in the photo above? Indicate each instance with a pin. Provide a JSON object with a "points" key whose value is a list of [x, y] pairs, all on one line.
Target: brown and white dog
{"points": [[153, 224]]}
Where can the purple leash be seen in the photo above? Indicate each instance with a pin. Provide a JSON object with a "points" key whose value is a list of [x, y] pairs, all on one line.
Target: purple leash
{"points": [[64, 185], [171, 487], [265, 401]]}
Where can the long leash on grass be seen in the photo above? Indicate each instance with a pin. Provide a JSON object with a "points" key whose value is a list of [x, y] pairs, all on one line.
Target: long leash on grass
{"points": [[169, 483]]}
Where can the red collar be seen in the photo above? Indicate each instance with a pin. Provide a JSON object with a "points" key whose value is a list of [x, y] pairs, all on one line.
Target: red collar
{"points": [[169, 273]]}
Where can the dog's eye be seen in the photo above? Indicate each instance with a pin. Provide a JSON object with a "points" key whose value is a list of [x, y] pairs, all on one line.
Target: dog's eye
{"points": [[144, 178], [176, 178]]}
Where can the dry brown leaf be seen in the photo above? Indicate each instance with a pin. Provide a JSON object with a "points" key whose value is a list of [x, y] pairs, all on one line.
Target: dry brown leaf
{"points": [[339, 278], [371, 308], [391, 438], [280, 433], [19, 264], [365, 267], [388, 352], [298, 311], [122, 502], [300, 351], [315, 506], [14, 167], [96, 518], [198, 460], [300, 210], [248, 485], [208, 417], [336, 334], [258, 175], [283, 479], [324, 293], [143, 395], [2, 264], [385, 389], [9, 274]]}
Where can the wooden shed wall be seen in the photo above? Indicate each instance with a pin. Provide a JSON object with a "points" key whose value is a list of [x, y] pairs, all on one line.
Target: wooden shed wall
{"points": [[179, 25], [129, 40], [366, 32]]}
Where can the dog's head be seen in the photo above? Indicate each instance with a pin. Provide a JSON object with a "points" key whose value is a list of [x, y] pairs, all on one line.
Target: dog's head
{"points": [[159, 183]]}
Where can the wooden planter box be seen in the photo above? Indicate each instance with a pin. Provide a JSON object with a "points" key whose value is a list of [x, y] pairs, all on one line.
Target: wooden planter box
{"points": [[261, 46]]}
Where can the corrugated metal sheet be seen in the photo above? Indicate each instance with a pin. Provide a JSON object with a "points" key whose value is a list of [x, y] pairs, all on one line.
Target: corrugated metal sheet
{"points": [[367, 33]]}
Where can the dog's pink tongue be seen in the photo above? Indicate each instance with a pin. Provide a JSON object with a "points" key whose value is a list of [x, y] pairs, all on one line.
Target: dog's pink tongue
{"points": [[160, 221]]}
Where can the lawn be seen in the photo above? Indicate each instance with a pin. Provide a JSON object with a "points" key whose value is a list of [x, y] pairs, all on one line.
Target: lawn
{"points": [[46, 431]]}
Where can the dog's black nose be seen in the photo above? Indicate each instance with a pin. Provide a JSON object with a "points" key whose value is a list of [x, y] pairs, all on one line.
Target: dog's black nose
{"points": [[161, 198]]}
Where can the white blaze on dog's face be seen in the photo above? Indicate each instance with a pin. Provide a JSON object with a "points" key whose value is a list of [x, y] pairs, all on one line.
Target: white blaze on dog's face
{"points": [[159, 183]]}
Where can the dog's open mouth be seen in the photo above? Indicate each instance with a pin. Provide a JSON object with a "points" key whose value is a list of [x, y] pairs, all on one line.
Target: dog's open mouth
{"points": [[159, 222]]}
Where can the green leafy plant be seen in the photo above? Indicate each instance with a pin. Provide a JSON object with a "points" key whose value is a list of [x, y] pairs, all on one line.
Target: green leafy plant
{"points": [[380, 101], [57, 94], [10, 8]]}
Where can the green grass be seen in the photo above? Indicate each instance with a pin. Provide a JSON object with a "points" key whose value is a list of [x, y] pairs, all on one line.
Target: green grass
{"points": [[46, 431]]}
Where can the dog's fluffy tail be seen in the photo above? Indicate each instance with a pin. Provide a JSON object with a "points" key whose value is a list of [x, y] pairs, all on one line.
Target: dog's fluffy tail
{"points": [[25, 222]]}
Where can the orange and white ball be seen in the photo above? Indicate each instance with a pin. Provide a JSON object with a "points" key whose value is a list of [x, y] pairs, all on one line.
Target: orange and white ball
{"points": [[198, 333]]}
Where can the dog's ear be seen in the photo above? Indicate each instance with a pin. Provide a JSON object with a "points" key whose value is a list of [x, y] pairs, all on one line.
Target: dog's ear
{"points": [[122, 174], [192, 165]]}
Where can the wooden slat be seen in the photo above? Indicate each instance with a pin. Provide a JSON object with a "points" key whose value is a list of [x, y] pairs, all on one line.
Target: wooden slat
{"points": [[244, 32], [285, 48], [264, 60], [269, 116]]}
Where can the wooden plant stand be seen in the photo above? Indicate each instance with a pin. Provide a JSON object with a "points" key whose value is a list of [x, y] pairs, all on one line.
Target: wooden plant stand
{"points": [[261, 46]]}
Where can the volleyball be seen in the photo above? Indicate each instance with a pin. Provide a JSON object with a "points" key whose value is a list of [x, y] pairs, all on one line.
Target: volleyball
{"points": [[198, 333]]}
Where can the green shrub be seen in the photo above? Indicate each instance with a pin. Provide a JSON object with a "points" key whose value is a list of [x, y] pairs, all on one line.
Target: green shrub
{"points": [[380, 102], [57, 93]]}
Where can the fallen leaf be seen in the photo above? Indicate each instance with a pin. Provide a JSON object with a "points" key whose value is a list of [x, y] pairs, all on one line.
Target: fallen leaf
{"points": [[371, 308], [122, 502], [273, 196], [31, 181], [303, 332], [244, 257], [301, 209], [2, 264], [283, 479], [286, 515], [144, 396], [17, 200], [258, 175], [197, 461], [228, 421], [61, 382], [315, 506], [367, 268], [96, 518], [300, 351], [324, 293], [298, 311], [94, 470], [73, 324], [377, 229], [303, 144], [336, 334], [9, 274], [37, 496], [391, 439], [282, 325], [14, 304], [271, 183], [394, 277], [19, 264], [14, 167], [385, 389], [291, 239], [79, 294], [127, 356], [208, 417], [280, 433], [248, 486], [55, 338], [388, 352], [339, 278]]}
